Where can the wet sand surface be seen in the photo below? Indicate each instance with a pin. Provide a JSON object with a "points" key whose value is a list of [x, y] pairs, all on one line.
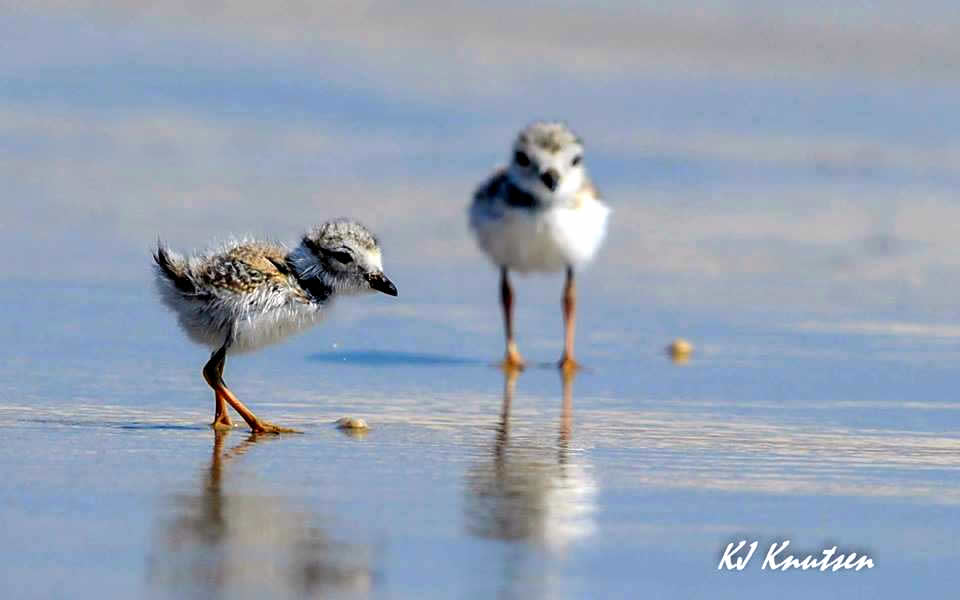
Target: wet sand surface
{"points": [[629, 478]]}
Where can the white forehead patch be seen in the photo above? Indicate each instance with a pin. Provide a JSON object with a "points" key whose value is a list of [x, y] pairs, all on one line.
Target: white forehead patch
{"points": [[373, 259]]}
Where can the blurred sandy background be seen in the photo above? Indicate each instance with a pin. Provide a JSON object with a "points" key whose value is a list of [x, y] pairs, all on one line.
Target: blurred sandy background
{"points": [[763, 154]]}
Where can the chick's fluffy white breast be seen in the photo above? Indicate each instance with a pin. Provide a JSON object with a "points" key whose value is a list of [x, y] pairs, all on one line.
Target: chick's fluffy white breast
{"points": [[548, 239]]}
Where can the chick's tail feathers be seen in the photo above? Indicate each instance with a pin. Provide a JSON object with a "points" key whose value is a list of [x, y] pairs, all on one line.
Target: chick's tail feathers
{"points": [[172, 268]]}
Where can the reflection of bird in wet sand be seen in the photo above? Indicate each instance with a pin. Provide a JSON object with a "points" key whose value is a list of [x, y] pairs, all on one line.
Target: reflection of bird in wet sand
{"points": [[527, 494], [246, 295], [540, 213], [223, 545]]}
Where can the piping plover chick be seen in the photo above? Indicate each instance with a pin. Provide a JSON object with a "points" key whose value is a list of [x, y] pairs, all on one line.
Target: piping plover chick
{"points": [[540, 213], [248, 294]]}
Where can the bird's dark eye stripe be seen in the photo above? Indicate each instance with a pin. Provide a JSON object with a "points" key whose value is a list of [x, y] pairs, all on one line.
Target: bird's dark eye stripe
{"points": [[340, 256], [521, 159], [576, 160]]}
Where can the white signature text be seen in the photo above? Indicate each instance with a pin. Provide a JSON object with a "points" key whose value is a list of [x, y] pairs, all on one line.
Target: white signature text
{"points": [[738, 555]]}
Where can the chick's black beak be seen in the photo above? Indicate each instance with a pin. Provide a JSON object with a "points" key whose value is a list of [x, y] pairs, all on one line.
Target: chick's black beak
{"points": [[379, 282], [550, 178]]}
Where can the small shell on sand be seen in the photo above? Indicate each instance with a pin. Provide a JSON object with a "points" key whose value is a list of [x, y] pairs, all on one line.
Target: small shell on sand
{"points": [[680, 350], [352, 424]]}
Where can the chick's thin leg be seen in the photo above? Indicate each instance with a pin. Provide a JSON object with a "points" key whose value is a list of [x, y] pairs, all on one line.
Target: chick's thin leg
{"points": [[567, 362], [512, 359], [224, 394]]}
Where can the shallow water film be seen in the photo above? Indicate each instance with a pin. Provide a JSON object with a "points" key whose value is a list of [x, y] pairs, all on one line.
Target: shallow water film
{"points": [[783, 182]]}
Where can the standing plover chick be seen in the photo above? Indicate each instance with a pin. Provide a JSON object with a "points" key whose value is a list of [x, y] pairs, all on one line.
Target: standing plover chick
{"points": [[540, 213], [248, 294]]}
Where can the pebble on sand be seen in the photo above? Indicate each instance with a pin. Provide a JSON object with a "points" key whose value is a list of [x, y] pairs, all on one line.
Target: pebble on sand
{"points": [[352, 424], [680, 349]]}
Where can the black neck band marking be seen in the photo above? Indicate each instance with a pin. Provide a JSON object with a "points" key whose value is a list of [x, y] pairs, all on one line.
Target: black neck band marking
{"points": [[519, 198], [318, 290]]}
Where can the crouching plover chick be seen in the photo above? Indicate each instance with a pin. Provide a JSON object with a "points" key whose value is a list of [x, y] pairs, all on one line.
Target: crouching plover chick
{"points": [[540, 213], [249, 294]]}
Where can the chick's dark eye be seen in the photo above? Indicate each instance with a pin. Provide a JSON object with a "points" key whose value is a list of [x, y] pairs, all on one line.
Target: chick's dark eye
{"points": [[576, 160], [521, 159], [342, 257]]}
